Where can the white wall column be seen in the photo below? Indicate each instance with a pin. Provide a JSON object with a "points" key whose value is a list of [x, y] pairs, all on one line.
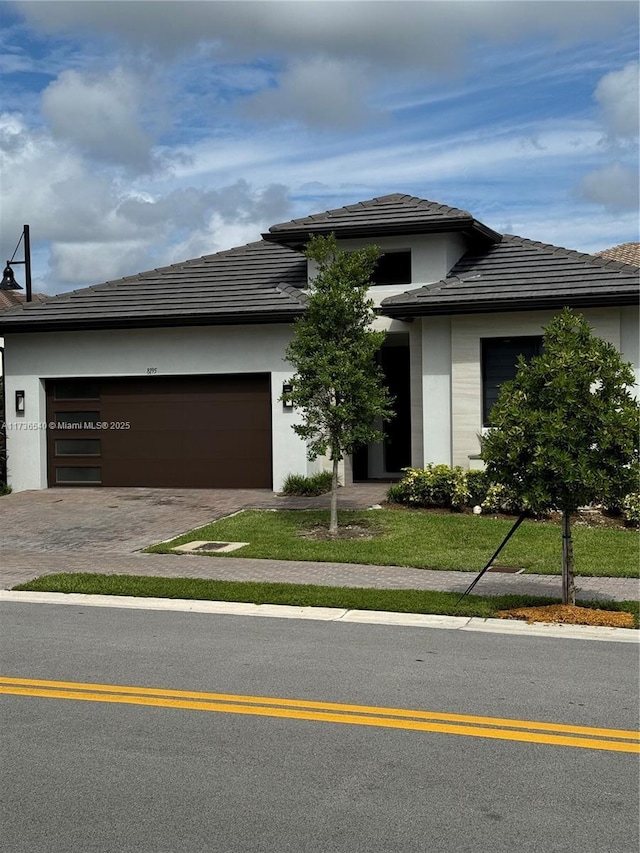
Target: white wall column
{"points": [[436, 389]]}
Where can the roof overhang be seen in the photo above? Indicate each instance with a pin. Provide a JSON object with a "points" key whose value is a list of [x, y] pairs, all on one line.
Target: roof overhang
{"points": [[409, 311], [78, 324], [298, 237]]}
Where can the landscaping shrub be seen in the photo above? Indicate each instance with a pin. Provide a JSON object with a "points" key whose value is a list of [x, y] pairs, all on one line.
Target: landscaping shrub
{"points": [[4, 489], [435, 486], [308, 487], [452, 488], [395, 494], [477, 486], [502, 499], [631, 509]]}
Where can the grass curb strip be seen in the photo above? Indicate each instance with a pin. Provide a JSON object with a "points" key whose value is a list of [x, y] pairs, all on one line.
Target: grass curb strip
{"points": [[301, 595]]}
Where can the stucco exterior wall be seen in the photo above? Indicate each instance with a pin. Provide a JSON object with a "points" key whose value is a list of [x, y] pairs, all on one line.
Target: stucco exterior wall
{"points": [[630, 340], [446, 383], [612, 324], [432, 256], [33, 358]]}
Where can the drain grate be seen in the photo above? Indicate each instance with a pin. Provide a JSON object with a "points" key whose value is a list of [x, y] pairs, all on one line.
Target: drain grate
{"points": [[203, 547]]}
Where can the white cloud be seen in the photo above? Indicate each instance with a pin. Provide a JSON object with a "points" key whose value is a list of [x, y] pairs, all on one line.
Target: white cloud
{"points": [[99, 227], [320, 92], [618, 94], [191, 208], [615, 186], [394, 33], [99, 115], [82, 264]]}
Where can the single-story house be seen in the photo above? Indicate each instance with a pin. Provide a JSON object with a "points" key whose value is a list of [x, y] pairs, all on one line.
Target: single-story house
{"points": [[173, 377]]}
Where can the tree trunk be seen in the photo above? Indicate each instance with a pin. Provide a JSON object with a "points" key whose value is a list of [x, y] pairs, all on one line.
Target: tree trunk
{"points": [[568, 581], [333, 523]]}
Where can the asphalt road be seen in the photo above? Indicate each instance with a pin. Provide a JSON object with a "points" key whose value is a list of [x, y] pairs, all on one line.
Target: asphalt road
{"points": [[103, 774]]}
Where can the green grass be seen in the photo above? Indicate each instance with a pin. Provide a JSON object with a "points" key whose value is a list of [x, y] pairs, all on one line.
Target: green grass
{"points": [[301, 595], [423, 540]]}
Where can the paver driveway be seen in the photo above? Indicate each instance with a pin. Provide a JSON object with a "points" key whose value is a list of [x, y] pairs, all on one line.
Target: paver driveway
{"points": [[120, 521]]}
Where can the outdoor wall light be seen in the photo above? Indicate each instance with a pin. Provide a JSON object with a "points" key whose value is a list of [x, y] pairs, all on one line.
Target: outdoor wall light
{"points": [[8, 279], [287, 388], [19, 402]]}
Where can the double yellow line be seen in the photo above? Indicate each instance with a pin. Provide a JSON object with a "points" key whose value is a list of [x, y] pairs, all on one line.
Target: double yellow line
{"points": [[587, 737]]}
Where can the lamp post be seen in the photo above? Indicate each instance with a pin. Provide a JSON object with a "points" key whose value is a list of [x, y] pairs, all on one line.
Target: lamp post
{"points": [[8, 279]]}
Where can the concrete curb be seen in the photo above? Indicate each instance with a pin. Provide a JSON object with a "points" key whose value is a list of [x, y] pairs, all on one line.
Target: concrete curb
{"points": [[329, 614]]}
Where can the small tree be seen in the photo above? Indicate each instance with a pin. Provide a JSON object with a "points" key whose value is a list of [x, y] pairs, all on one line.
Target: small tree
{"points": [[337, 385], [565, 430]]}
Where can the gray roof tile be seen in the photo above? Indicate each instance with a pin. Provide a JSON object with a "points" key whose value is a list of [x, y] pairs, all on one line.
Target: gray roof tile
{"points": [[389, 214], [520, 274], [259, 282], [264, 281]]}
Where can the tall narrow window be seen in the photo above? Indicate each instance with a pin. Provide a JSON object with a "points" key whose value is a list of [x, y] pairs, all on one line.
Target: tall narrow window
{"points": [[500, 363]]}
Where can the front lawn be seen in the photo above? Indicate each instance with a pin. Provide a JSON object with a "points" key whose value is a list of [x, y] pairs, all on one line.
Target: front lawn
{"points": [[420, 539]]}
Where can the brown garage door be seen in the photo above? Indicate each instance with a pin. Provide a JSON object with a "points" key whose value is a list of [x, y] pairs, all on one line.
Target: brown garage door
{"points": [[171, 432]]}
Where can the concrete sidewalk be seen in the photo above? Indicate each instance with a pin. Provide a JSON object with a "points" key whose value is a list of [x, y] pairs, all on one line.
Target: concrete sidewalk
{"points": [[21, 567]]}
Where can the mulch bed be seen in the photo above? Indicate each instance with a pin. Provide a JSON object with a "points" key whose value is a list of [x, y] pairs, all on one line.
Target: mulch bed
{"points": [[345, 531], [570, 615]]}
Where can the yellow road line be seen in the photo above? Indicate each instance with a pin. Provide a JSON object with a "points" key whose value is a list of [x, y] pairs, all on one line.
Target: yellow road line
{"points": [[488, 727], [325, 706]]}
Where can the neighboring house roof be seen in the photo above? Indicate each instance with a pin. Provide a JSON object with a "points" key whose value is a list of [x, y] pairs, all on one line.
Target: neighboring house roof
{"points": [[259, 282], [387, 215], [626, 253], [519, 274], [11, 298]]}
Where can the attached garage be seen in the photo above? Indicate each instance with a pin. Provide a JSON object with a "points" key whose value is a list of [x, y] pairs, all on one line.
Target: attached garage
{"points": [[160, 432]]}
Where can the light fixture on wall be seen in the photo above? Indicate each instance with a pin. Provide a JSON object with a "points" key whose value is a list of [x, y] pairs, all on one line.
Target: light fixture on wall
{"points": [[287, 388], [8, 279], [19, 402]]}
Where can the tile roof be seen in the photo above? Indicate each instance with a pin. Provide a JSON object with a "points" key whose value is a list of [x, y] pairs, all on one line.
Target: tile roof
{"points": [[626, 253], [259, 282], [389, 214], [520, 274], [263, 282], [11, 298]]}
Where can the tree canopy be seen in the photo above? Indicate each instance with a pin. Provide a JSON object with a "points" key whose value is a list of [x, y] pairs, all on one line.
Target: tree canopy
{"points": [[564, 432], [338, 386]]}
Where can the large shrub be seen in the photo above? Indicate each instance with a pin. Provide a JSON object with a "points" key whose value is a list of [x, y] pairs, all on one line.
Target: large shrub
{"points": [[433, 486]]}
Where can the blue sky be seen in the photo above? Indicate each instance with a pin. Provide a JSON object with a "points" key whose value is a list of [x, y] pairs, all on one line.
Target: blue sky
{"points": [[137, 134]]}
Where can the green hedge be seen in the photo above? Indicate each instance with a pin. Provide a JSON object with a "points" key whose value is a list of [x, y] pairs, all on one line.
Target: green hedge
{"points": [[454, 488]]}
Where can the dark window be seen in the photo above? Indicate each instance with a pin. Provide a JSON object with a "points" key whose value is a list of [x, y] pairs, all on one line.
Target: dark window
{"points": [[79, 474], [76, 390], [500, 363], [76, 419], [78, 447], [393, 268]]}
